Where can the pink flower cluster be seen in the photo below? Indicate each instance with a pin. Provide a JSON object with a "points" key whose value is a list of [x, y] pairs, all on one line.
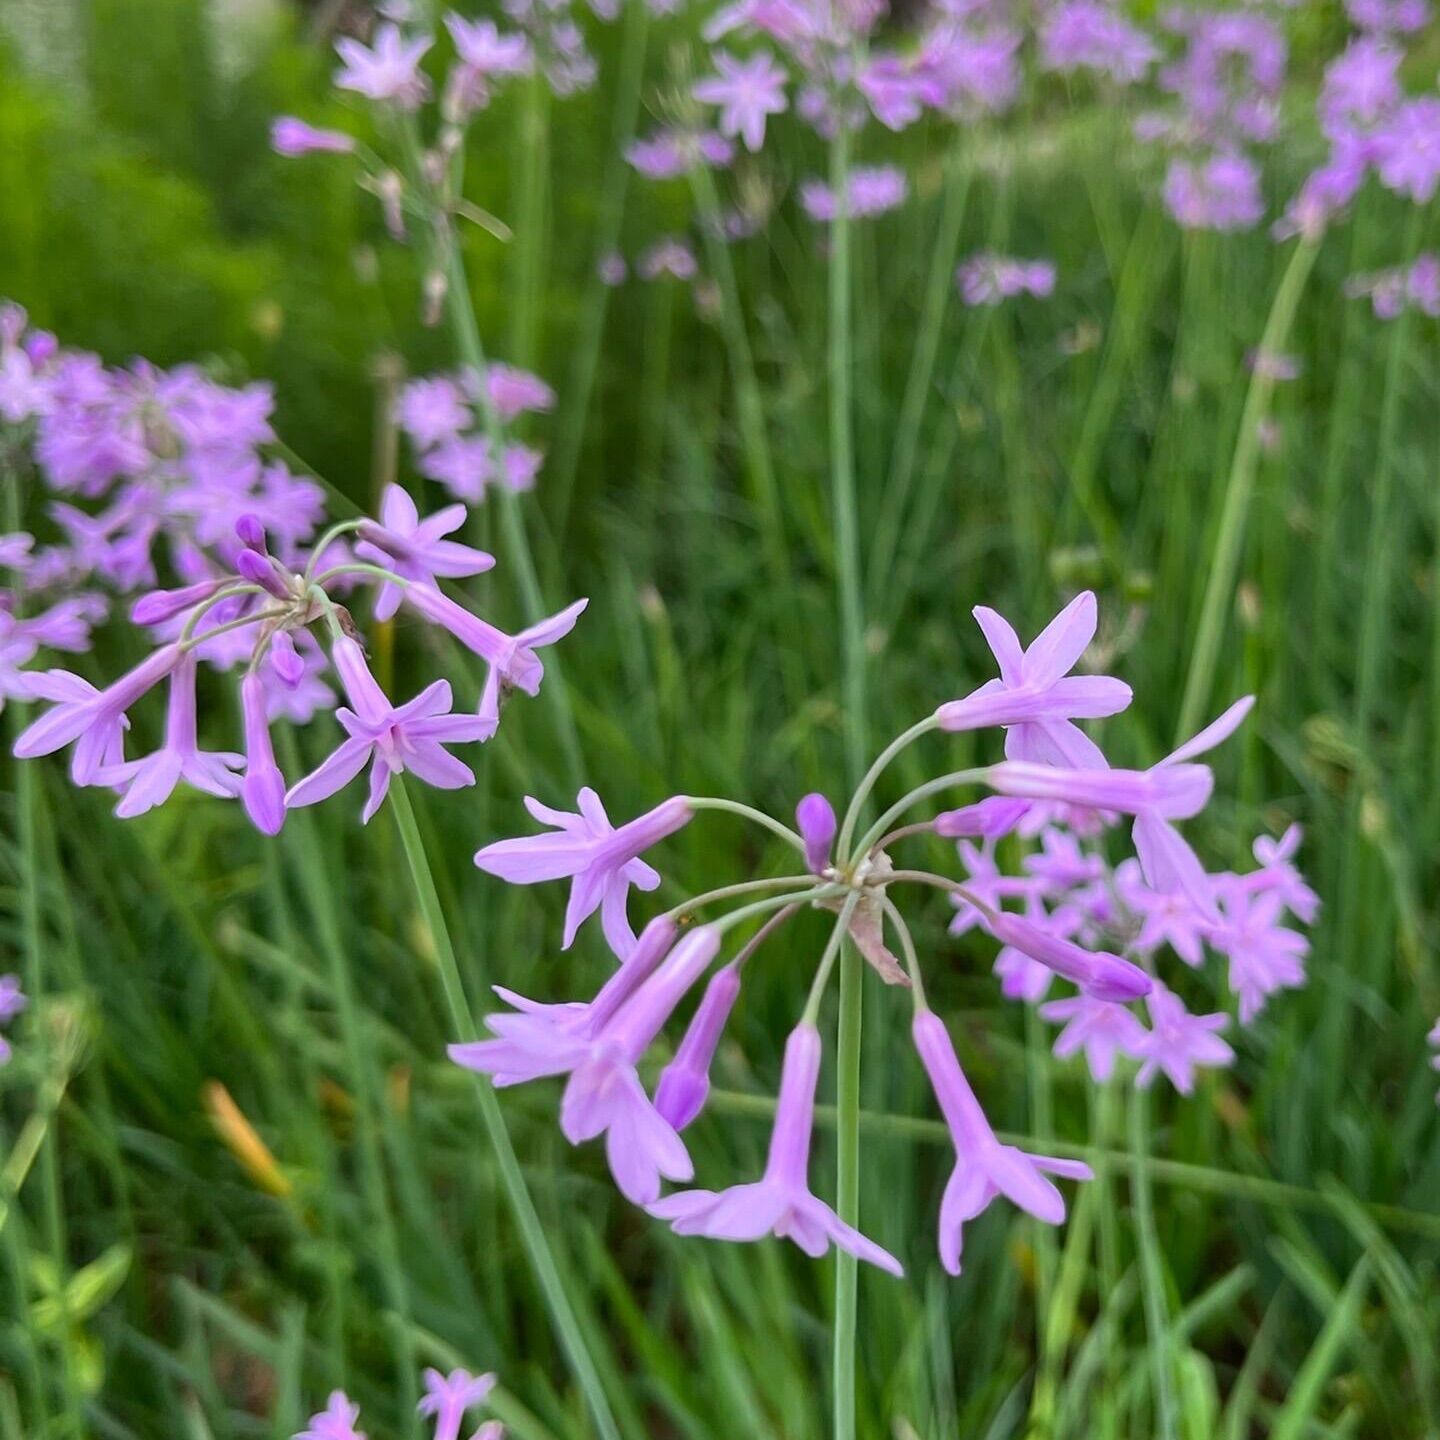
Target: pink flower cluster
{"points": [[1072, 920], [445, 419], [1415, 286]]}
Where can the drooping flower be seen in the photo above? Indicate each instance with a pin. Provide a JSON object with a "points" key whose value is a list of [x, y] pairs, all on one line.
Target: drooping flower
{"points": [[684, 1083], [414, 548], [1036, 698], [984, 1168], [1105, 976], [448, 1398], [390, 739], [780, 1203], [151, 781], [263, 788], [601, 860], [513, 663], [93, 719]]}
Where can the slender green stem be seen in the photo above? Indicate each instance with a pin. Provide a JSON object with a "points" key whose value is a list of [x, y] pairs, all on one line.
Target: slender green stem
{"points": [[522, 1207], [1152, 1274], [847, 1187], [745, 887], [952, 781], [867, 784], [842, 465], [1230, 533], [749, 812], [827, 960]]}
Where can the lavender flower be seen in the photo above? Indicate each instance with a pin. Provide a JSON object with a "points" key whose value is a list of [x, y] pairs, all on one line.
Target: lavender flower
{"points": [[292, 137], [747, 92], [413, 548], [337, 1421], [984, 1168], [389, 70], [872, 190], [780, 1203], [1035, 698], [448, 1398], [987, 279], [390, 739], [1178, 1041], [602, 861]]}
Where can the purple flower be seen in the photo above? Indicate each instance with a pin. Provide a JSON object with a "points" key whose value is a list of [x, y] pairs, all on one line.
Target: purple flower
{"points": [[414, 549], [612, 269], [1179, 1041], [1278, 873], [1100, 1028], [1407, 150], [1035, 697], [292, 137], [873, 189], [337, 1421], [747, 92], [684, 1083], [815, 820], [263, 789], [1097, 973], [985, 881], [448, 1397], [1220, 193], [388, 70], [1090, 35], [513, 663], [93, 718], [391, 740], [987, 279], [1170, 790], [12, 998], [512, 391], [483, 55], [602, 861], [780, 1203], [1362, 86], [603, 1094], [151, 781], [544, 1039], [669, 153], [984, 1168], [1397, 17], [1167, 917], [1265, 956], [432, 410]]}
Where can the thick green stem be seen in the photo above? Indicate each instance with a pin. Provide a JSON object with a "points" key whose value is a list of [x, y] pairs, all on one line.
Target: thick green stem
{"points": [[1230, 533], [517, 1194]]}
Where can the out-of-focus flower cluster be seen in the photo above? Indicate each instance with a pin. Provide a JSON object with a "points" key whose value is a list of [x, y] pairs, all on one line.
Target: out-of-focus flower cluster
{"points": [[448, 1399], [1064, 916], [166, 480], [444, 417], [1402, 287]]}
